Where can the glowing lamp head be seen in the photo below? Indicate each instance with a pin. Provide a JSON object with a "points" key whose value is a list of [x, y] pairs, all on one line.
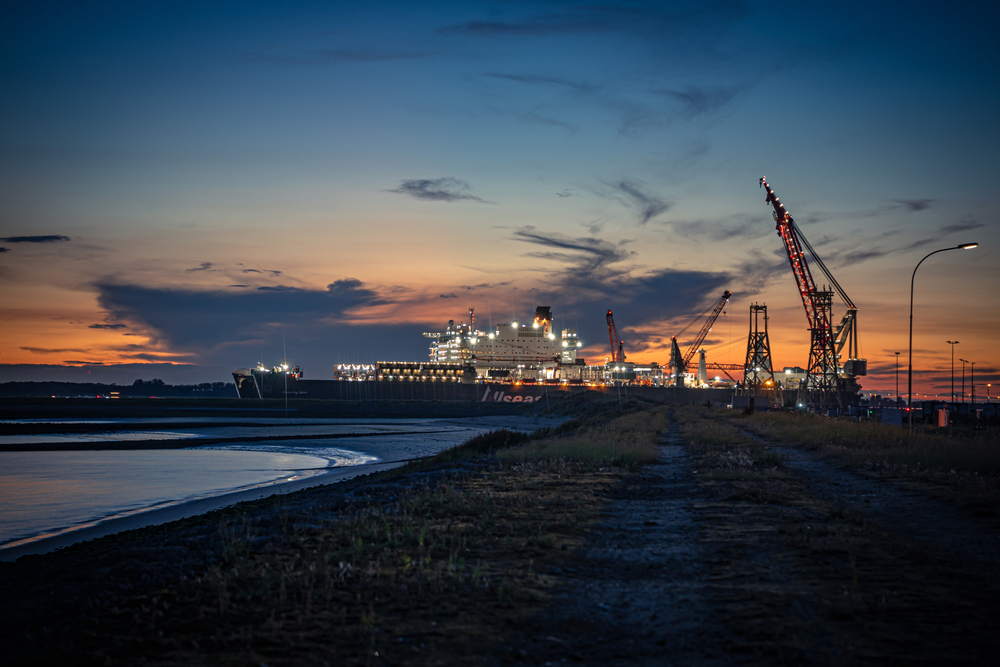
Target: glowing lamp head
{"points": [[968, 246]]}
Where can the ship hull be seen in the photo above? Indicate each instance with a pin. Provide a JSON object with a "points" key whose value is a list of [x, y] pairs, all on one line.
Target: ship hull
{"points": [[271, 386]]}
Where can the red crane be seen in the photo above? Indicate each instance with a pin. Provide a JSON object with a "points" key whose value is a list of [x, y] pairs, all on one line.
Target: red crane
{"points": [[827, 341], [617, 345], [678, 362]]}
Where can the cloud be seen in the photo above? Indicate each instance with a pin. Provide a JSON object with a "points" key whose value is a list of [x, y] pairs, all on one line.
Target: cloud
{"points": [[963, 226], [205, 266], [542, 80], [320, 57], [4, 249], [649, 206], [484, 286], [914, 205], [452, 295], [858, 256], [46, 350], [564, 193], [738, 226], [48, 238], [588, 253], [437, 189], [589, 278], [200, 320], [107, 326], [534, 117], [696, 102], [598, 19]]}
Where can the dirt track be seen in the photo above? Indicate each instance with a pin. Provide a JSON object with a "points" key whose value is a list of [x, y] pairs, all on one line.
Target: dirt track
{"points": [[807, 564]]}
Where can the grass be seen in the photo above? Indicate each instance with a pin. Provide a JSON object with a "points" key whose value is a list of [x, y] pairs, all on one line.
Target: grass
{"points": [[625, 441], [403, 569], [721, 449], [967, 463]]}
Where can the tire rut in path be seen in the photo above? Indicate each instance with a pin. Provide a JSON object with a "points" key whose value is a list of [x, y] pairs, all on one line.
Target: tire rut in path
{"points": [[637, 594]]}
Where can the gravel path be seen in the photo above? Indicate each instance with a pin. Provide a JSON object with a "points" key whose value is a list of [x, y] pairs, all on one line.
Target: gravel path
{"points": [[812, 564]]}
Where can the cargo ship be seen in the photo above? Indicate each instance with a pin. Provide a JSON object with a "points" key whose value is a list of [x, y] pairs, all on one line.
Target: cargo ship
{"points": [[517, 362], [461, 357]]}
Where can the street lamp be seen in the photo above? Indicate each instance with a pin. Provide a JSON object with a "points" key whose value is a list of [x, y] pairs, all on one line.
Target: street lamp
{"points": [[953, 343], [897, 379], [973, 381], [964, 362], [909, 365]]}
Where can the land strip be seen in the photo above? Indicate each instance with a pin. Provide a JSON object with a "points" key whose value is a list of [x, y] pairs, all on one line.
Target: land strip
{"points": [[724, 549]]}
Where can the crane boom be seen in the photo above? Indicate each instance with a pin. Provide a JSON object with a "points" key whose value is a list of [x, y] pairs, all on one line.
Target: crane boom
{"points": [[679, 362], [700, 338], [617, 345], [823, 371], [800, 269]]}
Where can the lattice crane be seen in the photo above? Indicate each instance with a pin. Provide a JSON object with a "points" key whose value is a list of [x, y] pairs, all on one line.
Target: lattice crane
{"points": [[679, 362], [617, 345], [828, 341]]}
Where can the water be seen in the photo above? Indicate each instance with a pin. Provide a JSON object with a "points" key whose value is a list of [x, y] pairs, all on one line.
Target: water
{"points": [[48, 492], [44, 493]]}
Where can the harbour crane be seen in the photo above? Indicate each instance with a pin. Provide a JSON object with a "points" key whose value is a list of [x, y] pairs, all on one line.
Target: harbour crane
{"points": [[823, 372], [617, 345], [679, 362]]}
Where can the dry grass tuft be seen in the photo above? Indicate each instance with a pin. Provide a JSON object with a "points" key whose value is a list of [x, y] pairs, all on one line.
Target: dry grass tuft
{"points": [[627, 441]]}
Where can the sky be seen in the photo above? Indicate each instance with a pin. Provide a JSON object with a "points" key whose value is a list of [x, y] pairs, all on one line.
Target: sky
{"points": [[191, 188]]}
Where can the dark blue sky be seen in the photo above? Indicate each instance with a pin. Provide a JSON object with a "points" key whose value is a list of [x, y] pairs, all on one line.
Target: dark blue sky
{"points": [[215, 167]]}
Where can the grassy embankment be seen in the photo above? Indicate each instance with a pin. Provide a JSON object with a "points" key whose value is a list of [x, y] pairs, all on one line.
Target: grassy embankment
{"points": [[967, 463], [428, 567]]}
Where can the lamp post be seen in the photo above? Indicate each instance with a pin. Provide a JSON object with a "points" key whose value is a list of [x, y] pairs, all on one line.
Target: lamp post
{"points": [[964, 362], [973, 381], [909, 365], [897, 379], [953, 343]]}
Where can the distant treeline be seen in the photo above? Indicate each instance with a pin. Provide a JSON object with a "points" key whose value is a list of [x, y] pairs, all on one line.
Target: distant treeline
{"points": [[139, 388]]}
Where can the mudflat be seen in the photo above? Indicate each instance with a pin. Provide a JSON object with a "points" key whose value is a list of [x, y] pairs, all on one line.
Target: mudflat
{"points": [[723, 547]]}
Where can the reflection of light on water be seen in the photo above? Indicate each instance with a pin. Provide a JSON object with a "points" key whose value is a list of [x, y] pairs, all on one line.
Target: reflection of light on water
{"points": [[47, 493], [337, 456], [114, 436]]}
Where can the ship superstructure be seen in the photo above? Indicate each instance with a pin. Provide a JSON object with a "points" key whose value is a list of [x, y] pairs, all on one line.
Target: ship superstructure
{"points": [[519, 351]]}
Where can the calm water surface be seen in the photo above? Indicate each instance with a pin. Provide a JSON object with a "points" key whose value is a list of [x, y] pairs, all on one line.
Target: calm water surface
{"points": [[46, 493]]}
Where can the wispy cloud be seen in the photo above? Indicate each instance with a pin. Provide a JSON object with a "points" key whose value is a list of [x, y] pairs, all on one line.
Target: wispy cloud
{"points": [[542, 80], [648, 205], [588, 253], [107, 326], [437, 189], [599, 19], [914, 205], [46, 350], [319, 57], [47, 238], [699, 101], [4, 249], [205, 266], [738, 226], [962, 226]]}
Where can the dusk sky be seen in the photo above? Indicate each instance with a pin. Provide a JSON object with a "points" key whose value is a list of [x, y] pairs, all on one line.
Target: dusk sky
{"points": [[207, 184]]}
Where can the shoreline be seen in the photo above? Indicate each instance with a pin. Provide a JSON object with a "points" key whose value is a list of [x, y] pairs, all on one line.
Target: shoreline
{"points": [[181, 510]]}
